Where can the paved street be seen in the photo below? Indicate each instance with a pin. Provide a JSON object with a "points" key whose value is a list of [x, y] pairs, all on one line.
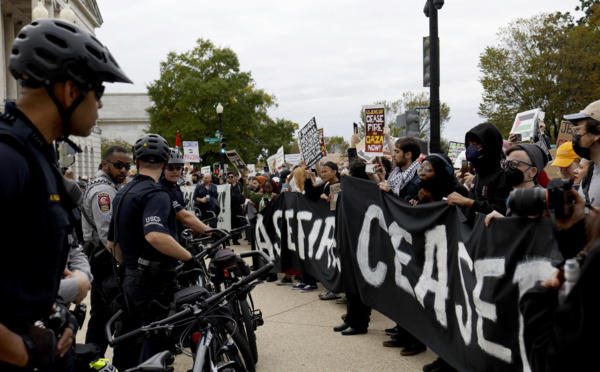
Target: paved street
{"points": [[298, 336]]}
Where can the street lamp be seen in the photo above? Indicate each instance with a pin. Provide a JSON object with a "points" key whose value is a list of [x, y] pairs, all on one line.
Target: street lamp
{"points": [[220, 113], [431, 9]]}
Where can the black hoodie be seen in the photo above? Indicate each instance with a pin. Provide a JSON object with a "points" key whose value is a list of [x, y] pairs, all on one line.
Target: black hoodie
{"points": [[488, 190]]}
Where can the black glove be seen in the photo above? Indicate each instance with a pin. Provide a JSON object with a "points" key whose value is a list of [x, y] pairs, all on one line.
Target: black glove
{"points": [[191, 264], [41, 347]]}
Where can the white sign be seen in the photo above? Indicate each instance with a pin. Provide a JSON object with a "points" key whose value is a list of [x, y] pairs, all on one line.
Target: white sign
{"points": [[252, 169], [526, 124], [279, 158], [190, 152], [205, 170], [293, 159]]}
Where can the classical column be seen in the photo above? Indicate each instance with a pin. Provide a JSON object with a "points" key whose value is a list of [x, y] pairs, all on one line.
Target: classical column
{"points": [[9, 36]]}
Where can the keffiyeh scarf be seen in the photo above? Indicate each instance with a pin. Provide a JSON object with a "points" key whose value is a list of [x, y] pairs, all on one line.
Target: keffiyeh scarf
{"points": [[399, 179]]}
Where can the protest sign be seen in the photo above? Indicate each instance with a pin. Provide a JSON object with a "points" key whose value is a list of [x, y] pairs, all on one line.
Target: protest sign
{"points": [[565, 133], [455, 287], [205, 169], [235, 159], [526, 125], [454, 150], [272, 163], [279, 158], [190, 152], [293, 159], [322, 142], [252, 168], [310, 145], [374, 122]]}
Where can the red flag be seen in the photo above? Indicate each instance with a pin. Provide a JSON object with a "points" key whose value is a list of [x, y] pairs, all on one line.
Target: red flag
{"points": [[178, 142]]}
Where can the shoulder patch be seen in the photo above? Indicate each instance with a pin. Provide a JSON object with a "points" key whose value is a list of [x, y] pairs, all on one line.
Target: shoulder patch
{"points": [[104, 202]]}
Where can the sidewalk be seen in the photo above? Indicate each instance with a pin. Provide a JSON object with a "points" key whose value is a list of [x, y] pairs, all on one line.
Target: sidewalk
{"points": [[298, 336]]}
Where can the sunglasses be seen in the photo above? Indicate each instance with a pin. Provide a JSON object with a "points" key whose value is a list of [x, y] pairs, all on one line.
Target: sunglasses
{"points": [[120, 166], [230, 176], [174, 167], [99, 91]]}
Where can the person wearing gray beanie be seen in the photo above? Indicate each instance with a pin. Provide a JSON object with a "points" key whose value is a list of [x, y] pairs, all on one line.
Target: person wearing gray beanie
{"points": [[538, 156], [523, 164]]}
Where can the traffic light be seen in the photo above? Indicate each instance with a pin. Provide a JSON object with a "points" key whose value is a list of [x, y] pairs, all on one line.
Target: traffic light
{"points": [[426, 62], [222, 145], [413, 122]]}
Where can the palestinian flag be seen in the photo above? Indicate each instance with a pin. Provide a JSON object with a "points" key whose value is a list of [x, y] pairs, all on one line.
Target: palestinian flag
{"points": [[178, 144]]}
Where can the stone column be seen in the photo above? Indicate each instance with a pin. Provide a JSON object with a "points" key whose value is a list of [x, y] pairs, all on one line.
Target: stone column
{"points": [[9, 36]]}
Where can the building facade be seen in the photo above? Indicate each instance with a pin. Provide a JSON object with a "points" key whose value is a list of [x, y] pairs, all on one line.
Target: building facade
{"points": [[124, 116]]}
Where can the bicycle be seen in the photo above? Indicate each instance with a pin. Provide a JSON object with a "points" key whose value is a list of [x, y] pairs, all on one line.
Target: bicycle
{"points": [[213, 350]]}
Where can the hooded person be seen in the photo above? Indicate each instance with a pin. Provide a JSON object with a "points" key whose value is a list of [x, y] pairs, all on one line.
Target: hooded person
{"points": [[436, 180], [488, 192]]}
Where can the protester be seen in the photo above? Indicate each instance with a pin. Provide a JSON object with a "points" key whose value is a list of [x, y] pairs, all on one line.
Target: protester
{"points": [[567, 160], [404, 177], [437, 180], [581, 171], [206, 197]]}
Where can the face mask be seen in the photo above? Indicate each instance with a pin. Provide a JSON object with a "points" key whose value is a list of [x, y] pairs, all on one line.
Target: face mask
{"points": [[474, 154], [584, 152], [513, 177]]}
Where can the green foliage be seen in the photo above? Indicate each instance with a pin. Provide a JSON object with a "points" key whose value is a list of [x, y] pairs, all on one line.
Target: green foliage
{"points": [[408, 101], [185, 97], [336, 145], [540, 62], [105, 144]]}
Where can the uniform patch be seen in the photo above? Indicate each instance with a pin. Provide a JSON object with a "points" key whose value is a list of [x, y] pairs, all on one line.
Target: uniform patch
{"points": [[104, 202], [54, 197]]}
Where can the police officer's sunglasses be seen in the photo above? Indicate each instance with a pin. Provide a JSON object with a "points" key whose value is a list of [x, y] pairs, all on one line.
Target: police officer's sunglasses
{"points": [[99, 91], [120, 166], [174, 167]]}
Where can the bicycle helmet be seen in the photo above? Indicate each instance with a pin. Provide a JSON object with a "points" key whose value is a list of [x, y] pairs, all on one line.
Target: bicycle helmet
{"points": [[176, 157], [152, 148], [48, 51]]}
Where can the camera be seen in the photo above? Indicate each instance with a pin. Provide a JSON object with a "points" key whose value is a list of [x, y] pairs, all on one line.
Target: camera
{"points": [[556, 199]]}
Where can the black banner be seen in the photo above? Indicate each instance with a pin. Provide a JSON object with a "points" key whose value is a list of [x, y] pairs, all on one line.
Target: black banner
{"points": [[300, 234], [455, 288]]}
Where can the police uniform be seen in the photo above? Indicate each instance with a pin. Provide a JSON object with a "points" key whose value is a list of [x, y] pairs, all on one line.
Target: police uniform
{"points": [[141, 207], [176, 200], [33, 224], [97, 210]]}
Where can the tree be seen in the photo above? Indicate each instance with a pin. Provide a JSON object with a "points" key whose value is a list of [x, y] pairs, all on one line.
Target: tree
{"points": [[190, 86], [336, 145], [408, 101], [105, 144], [540, 62]]}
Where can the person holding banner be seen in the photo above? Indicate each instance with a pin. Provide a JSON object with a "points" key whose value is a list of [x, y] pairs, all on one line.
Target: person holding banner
{"points": [[437, 180]]}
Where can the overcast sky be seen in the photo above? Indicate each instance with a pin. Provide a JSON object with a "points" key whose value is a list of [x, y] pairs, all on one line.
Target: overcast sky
{"points": [[321, 58]]}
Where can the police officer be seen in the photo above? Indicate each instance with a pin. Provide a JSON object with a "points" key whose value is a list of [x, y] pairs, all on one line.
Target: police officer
{"points": [[143, 234], [60, 68], [171, 181], [97, 210]]}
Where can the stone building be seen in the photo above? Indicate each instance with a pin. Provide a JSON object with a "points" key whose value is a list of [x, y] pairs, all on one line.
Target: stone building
{"points": [[124, 116]]}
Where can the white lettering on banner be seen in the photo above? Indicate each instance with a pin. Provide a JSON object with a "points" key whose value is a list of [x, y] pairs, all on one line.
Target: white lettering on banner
{"points": [[313, 236], [302, 216], [488, 267], [375, 276], [435, 243], [328, 244], [526, 275], [289, 215], [466, 329], [401, 258], [276, 216]]}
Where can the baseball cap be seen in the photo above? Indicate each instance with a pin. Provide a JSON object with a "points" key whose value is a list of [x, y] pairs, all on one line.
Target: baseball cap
{"points": [[565, 155], [591, 111]]}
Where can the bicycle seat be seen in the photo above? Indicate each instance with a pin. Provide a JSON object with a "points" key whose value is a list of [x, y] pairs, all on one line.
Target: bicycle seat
{"points": [[156, 363]]}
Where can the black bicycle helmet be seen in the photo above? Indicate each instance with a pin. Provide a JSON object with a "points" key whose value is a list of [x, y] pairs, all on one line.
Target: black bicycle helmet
{"points": [[151, 148], [50, 50], [175, 157]]}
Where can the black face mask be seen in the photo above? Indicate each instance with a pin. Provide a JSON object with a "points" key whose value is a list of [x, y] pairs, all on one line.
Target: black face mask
{"points": [[513, 177], [584, 152]]}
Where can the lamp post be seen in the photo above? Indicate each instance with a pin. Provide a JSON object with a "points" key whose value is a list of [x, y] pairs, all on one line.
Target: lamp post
{"points": [[220, 113], [431, 8]]}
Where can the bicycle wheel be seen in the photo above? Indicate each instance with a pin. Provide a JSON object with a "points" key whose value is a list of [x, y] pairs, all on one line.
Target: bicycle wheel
{"points": [[249, 328], [242, 346]]}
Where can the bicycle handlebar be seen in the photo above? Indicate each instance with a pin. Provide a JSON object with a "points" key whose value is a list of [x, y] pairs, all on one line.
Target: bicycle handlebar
{"points": [[196, 309]]}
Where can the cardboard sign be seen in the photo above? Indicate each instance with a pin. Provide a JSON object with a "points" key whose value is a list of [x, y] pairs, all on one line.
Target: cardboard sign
{"points": [[252, 168], [279, 158], [235, 159], [322, 142], [374, 122], [526, 124], [310, 145], [190, 152], [454, 150], [565, 133], [272, 163]]}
